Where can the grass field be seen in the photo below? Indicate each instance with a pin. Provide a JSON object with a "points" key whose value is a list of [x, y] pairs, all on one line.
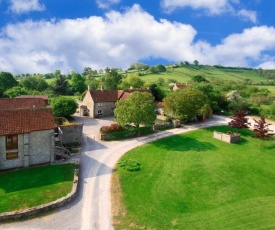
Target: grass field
{"points": [[25, 188], [184, 74], [192, 181]]}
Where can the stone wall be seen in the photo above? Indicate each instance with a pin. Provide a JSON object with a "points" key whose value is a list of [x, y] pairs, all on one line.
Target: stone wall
{"points": [[226, 137], [88, 101], [41, 147], [33, 148], [71, 133], [107, 109]]}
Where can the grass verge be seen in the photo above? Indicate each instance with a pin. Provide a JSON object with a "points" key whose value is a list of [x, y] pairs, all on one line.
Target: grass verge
{"points": [[193, 181], [26, 188]]}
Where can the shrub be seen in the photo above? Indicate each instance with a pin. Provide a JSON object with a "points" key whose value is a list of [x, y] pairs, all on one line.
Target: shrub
{"points": [[129, 165], [111, 128]]}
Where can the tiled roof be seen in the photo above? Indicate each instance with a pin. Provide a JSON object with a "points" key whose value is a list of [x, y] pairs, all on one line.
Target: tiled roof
{"points": [[21, 103], [45, 97], [113, 95], [179, 86], [104, 95], [25, 121], [159, 104], [127, 93]]}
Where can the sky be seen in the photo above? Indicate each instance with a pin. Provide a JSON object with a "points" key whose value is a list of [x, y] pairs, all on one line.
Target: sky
{"points": [[41, 36]]}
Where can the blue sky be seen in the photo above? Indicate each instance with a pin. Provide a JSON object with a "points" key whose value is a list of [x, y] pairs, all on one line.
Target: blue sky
{"points": [[40, 36]]}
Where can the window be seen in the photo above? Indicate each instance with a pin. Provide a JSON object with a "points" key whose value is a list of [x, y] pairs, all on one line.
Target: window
{"points": [[99, 104], [12, 142], [99, 112], [11, 155]]}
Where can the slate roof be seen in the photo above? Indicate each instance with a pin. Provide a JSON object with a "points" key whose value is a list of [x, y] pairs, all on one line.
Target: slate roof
{"points": [[113, 95], [21, 103], [25, 120]]}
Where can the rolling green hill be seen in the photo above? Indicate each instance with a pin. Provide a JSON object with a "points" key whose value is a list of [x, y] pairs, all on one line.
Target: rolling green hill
{"points": [[184, 74]]}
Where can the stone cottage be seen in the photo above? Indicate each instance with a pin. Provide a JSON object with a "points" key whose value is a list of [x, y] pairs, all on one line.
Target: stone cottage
{"points": [[101, 103], [26, 133]]}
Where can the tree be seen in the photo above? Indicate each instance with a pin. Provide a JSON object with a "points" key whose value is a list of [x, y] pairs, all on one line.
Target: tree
{"points": [[7, 81], [78, 83], [161, 68], [34, 83], [138, 66], [199, 78], [196, 63], [239, 120], [153, 70], [61, 85], [261, 129], [158, 93], [111, 79], [131, 81], [186, 104], [15, 91], [139, 108], [63, 106]]}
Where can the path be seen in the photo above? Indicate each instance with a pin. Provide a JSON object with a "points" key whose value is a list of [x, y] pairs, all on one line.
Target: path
{"points": [[92, 207]]}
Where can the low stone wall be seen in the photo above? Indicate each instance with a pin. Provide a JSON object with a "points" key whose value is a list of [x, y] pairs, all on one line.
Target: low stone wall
{"points": [[71, 133], [229, 138], [45, 207], [162, 126]]}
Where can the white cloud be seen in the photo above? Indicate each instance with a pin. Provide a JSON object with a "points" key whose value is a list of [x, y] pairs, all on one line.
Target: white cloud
{"points": [[267, 65], [24, 6], [105, 4], [118, 40], [211, 6], [248, 15]]}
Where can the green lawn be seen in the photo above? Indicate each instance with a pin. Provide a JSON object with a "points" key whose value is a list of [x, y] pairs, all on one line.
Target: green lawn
{"points": [[30, 187], [193, 181]]}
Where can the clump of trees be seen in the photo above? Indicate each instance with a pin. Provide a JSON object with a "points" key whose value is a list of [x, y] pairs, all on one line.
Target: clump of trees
{"points": [[138, 108], [186, 104], [63, 106]]}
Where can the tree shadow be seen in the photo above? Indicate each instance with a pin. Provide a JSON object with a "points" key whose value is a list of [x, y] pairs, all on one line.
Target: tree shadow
{"points": [[183, 143]]}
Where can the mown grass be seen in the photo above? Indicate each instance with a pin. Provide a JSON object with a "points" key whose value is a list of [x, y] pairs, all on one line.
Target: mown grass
{"points": [[193, 181], [26, 188]]}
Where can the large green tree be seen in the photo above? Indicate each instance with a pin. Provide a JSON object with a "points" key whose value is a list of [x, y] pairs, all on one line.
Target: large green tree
{"points": [[78, 83], [131, 81], [138, 109], [63, 106], [186, 104], [34, 83], [61, 85], [7, 81], [111, 79]]}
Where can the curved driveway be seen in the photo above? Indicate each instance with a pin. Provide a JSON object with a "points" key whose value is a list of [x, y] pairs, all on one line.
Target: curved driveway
{"points": [[92, 207]]}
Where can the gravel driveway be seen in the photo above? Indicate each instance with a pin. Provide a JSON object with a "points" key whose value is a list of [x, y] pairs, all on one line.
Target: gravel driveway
{"points": [[92, 207]]}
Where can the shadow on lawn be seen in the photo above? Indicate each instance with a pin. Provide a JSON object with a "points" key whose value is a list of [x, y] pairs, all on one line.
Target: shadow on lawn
{"points": [[23, 179], [183, 143]]}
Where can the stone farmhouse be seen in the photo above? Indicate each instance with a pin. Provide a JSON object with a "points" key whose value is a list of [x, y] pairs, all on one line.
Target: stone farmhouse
{"points": [[101, 103], [26, 133], [179, 86]]}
